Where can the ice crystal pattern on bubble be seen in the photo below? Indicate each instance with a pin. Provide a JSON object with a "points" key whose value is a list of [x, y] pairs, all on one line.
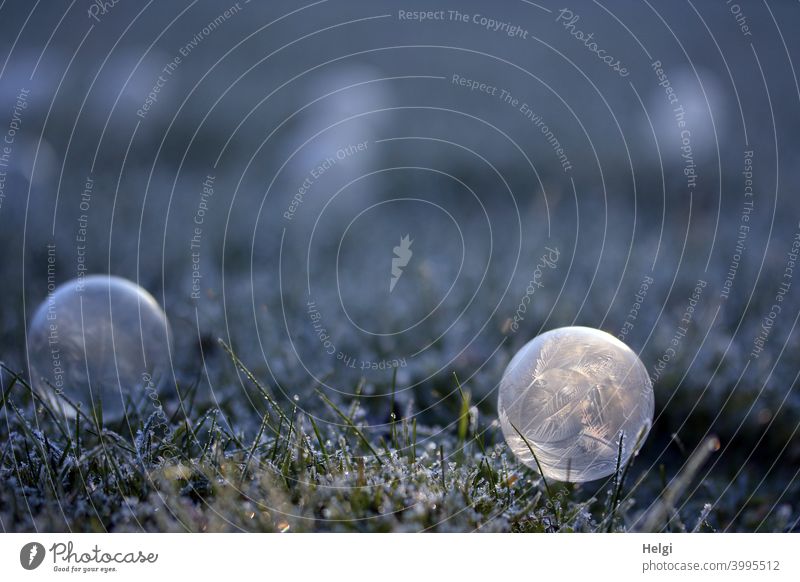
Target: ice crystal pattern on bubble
{"points": [[572, 392]]}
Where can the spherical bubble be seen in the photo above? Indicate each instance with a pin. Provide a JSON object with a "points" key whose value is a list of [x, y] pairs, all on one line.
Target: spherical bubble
{"points": [[98, 340], [572, 393]]}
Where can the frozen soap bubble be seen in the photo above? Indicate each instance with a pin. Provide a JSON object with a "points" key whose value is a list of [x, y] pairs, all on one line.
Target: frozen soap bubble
{"points": [[98, 340], [572, 392]]}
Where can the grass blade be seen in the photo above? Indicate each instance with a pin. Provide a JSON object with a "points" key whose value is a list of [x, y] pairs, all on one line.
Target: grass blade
{"points": [[350, 423]]}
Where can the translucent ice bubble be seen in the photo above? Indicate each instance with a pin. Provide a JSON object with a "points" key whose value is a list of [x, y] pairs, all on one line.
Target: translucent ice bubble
{"points": [[573, 393], [99, 341]]}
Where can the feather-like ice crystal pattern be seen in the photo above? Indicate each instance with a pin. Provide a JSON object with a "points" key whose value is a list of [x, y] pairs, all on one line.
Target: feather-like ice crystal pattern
{"points": [[573, 393]]}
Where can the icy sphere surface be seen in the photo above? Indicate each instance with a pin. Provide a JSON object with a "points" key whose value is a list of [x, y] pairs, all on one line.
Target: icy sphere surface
{"points": [[97, 340], [573, 392]]}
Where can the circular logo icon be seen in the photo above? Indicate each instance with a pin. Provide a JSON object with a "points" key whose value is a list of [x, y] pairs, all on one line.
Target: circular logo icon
{"points": [[31, 555]]}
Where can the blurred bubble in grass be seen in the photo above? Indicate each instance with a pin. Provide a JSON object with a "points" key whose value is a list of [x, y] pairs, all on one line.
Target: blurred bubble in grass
{"points": [[101, 341]]}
